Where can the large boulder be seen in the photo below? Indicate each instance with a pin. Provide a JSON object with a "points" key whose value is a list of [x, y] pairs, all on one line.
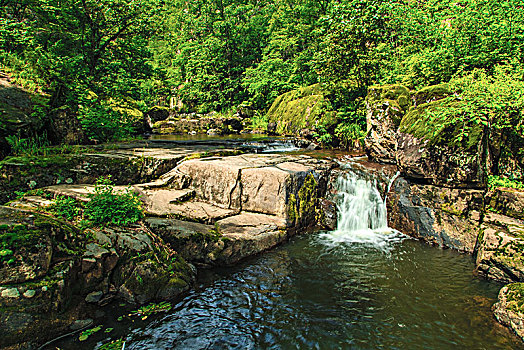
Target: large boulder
{"points": [[385, 107], [297, 110], [500, 243], [442, 216], [17, 114], [39, 263], [279, 185], [430, 94], [431, 153]]}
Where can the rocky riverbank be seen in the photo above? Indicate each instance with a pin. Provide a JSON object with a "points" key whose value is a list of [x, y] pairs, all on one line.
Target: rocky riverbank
{"points": [[442, 195], [209, 211]]}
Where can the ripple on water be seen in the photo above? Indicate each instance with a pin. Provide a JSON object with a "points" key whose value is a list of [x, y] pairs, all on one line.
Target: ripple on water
{"points": [[309, 294]]}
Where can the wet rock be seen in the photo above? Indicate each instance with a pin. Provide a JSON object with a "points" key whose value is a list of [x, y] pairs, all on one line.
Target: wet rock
{"points": [[500, 254], [94, 297], [329, 214], [10, 293], [230, 240], [442, 216], [79, 324], [213, 132], [29, 293], [508, 309]]}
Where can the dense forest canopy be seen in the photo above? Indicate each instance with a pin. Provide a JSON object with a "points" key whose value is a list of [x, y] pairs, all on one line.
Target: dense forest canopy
{"points": [[103, 59]]}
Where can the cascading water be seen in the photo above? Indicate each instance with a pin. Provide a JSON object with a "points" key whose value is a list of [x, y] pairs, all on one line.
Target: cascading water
{"points": [[362, 214]]}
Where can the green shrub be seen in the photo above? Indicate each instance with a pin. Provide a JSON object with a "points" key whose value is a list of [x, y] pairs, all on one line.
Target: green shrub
{"points": [[29, 146], [66, 207], [499, 181], [350, 135], [259, 122], [106, 206]]}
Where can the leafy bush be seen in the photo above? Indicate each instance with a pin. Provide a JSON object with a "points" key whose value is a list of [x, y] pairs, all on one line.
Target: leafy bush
{"points": [[499, 181], [66, 207], [259, 122], [106, 206], [28, 146], [349, 134]]}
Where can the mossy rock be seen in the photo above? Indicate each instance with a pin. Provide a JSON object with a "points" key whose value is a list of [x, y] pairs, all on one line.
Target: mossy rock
{"points": [[398, 93], [31, 242], [431, 93], [158, 113], [515, 297], [299, 109], [424, 122]]}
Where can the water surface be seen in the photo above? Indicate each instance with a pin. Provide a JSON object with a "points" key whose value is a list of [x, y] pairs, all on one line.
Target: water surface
{"points": [[313, 294]]}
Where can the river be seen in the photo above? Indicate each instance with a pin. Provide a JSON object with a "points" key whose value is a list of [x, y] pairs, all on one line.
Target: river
{"points": [[362, 286]]}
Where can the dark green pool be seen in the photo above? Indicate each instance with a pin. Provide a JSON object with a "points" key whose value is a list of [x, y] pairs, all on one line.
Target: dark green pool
{"points": [[313, 294]]}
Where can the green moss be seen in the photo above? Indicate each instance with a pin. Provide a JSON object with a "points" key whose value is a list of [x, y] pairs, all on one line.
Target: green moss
{"points": [[307, 200], [427, 122], [432, 93], [306, 107], [292, 213], [395, 92], [515, 297]]}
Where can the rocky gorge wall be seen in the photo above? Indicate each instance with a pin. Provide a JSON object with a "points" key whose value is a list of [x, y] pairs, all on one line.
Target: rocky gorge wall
{"points": [[442, 195]]}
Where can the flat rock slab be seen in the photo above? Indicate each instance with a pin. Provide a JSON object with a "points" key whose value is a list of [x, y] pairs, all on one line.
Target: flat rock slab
{"points": [[31, 203], [230, 240], [159, 202], [247, 225], [198, 211], [254, 182]]}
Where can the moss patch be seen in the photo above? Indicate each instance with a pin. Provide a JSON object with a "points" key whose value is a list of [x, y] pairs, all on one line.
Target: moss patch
{"points": [[306, 107], [515, 297], [426, 122]]}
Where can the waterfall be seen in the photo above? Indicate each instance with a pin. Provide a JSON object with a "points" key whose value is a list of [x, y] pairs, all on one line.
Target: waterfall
{"points": [[359, 204], [362, 214]]}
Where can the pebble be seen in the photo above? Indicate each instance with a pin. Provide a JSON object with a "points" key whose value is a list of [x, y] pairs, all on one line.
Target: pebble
{"points": [[29, 293], [94, 297], [10, 293]]}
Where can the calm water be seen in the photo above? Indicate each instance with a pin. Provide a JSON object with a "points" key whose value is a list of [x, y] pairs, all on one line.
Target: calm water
{"points": [[313, 293]]}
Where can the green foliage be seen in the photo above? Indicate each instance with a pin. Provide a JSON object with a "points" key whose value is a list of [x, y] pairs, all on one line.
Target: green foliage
{"points": [[113, 345], [147, 310], [6, 256], [259, 122], [106, 60], [495, 181], [350, 134], [66, 207], [28, 146], [107, 206], [88, 332], [103, 123]]}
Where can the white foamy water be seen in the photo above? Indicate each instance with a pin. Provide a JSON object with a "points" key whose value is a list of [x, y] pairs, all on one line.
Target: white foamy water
{"points": [[362, 214]]}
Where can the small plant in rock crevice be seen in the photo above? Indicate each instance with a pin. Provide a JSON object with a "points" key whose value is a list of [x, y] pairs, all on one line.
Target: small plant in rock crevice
{"points": [[108, 206], [66, 207]]}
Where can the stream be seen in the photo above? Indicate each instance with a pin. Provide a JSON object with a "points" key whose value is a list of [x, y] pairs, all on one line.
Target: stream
{"points": [[362, 286]]}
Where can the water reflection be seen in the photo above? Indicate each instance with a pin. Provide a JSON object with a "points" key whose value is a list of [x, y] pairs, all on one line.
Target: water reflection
{"points": [[309, 295]]}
